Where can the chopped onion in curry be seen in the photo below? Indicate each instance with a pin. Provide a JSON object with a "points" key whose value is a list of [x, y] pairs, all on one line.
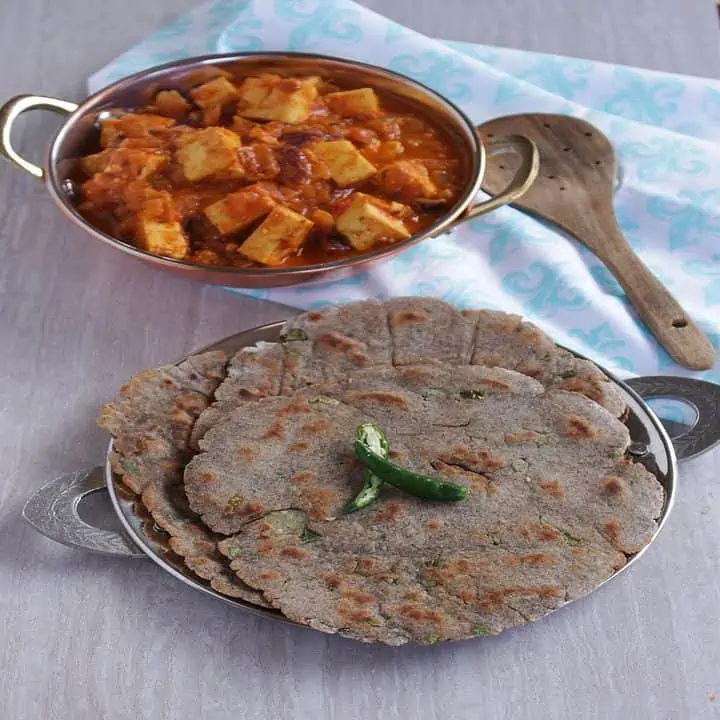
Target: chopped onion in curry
{"points": [[268, 171]]}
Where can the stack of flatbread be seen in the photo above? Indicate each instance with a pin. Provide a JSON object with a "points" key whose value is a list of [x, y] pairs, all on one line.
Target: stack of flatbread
{"points": [[247, 462]]}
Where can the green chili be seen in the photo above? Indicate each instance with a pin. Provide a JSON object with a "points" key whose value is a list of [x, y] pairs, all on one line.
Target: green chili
{"points": [[294, 335], [411, 482], [372, 436]]}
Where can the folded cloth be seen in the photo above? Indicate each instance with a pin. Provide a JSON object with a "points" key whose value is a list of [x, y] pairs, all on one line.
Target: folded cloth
{"points": [[663, 126]]}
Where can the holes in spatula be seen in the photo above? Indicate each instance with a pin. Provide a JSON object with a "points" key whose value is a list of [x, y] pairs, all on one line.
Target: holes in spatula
{"points": [[551, 177], [562, 187], [566, 149], [490, 134], [598, 162], [546, 125], [588, 134], [502, 167], [679, 322]]}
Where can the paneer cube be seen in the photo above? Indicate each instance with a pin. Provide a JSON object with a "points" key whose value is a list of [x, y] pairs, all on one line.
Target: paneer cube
{"points": [[272, 97], [131, 125], [365, 223], [130, 163], [161, 238], [354, 103], [96, 163], [219, 91], [347, 165], [280, 234], [407, 179], [239, 209], [210, 153], [158, 227], [171, 103]]}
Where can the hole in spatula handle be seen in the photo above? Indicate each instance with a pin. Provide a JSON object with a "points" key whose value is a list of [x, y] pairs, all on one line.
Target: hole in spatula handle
{"points": [[679, 322]]}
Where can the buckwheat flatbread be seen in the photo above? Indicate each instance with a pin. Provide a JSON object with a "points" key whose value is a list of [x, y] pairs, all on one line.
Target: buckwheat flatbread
{"points": [[554, 508]]}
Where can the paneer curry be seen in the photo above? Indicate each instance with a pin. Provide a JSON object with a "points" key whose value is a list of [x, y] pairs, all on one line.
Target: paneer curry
{"points": [[268, 171]]}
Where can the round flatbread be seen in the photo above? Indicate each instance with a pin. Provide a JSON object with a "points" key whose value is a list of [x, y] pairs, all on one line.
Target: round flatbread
{"points": [[421, 347], [553, 511]]}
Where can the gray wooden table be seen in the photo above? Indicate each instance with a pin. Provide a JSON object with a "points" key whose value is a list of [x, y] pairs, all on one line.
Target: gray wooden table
{"points": [[90, 637]]}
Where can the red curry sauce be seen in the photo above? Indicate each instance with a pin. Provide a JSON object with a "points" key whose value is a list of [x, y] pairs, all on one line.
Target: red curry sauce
{"points": [[195, 175]]}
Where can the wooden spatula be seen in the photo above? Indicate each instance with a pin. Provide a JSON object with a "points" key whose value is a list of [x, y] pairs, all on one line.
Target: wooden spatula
{"points": [[575, 192]]}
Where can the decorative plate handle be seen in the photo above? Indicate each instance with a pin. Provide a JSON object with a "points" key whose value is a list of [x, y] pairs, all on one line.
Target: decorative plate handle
{"points": [[703, 396], [53, 511], [12, 110]]}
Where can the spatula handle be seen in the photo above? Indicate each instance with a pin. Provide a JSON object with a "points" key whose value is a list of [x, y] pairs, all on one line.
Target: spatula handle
{"points": [[673, 328]]}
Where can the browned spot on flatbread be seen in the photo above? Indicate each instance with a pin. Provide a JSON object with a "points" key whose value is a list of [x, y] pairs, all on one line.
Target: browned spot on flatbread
{"points": [[408, 317], [489, 361], [531, 335], [584, 386], [491, 600], [298, 406], [612, 530], [295, 553], [332, 580], [270, 575], [353, 613], [533, 559], [495, 384], [418, 373], [313, 427], [379, 397], [388, 513], [359, 597], [433, 525], [318, 501], [192, 404], [469, 597], [300, 446], [552, 488], [447, 571], [353, 349], [545, 591], [302, 477], [520, 437], [246, 453], [546, 533], [420, 613], [475, 460], [314, 316], [579, 428], [533, 371], [613, 487], [248, 394], [276, 429], [239, 506]]}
